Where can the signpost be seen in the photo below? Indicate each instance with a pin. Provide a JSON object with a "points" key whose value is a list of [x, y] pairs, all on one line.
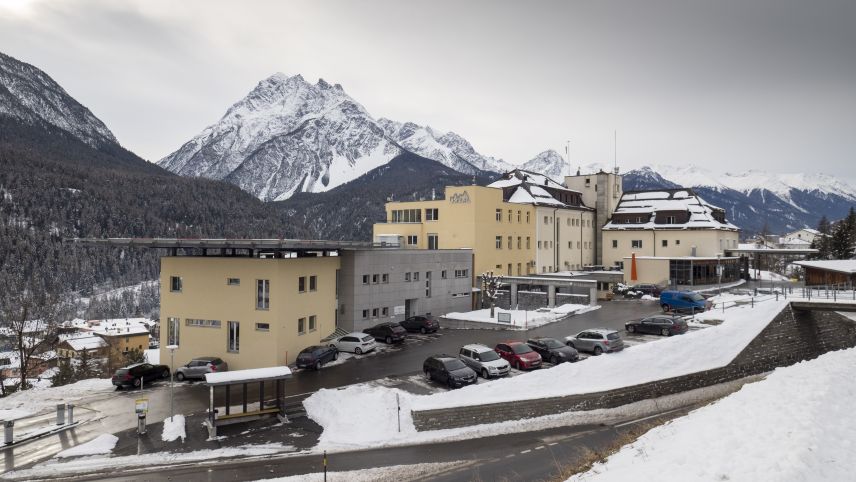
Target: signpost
{"points": [[503, 317]]}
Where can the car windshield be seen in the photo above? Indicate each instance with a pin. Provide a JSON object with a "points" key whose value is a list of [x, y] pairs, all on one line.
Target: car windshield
{"points": [[367, 338], [696, 297], [551, 343], [121, 371], [612, 336], [488, 356], [521, 348], [453, 364]]}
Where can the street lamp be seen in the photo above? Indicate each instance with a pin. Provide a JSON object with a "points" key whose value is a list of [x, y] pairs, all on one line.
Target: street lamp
{"points": [[171, 349], [719, 273]]}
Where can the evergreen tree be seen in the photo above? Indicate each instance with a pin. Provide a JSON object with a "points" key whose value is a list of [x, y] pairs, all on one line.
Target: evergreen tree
{"points": [[87, 366], [64, 375], [134, 355], [822, 242]]}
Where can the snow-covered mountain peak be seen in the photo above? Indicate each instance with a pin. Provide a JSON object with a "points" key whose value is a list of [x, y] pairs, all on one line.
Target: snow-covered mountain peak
{"points": [[32, 96], [550, 163]]}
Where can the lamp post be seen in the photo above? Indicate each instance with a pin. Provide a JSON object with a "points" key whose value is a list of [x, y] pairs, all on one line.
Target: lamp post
{"points": [[171, 349], [719, 274]]}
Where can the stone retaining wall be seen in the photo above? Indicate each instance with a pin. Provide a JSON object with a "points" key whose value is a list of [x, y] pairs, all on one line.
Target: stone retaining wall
{"points": [[792, 336]]}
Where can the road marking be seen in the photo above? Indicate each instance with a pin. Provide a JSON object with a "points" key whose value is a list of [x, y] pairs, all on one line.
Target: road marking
{"points": [[510, 455], [645, 418], [554, 443], [539, 447], [526, 451]]}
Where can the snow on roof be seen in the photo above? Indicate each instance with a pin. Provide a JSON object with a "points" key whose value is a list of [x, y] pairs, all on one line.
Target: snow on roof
{"points": [[643, 202], [246, 376], [86, 343], [117, 326], [520, 176], [647, 195], [840, 265]]}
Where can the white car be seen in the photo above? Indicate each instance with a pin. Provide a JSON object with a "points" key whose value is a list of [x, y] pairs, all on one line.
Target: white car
{"points": [[356, 342], [484, 361]]}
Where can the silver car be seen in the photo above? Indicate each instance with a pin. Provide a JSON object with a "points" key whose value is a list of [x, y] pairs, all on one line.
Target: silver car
{"points": [[596, 340], [484, 361], [198, 367]]}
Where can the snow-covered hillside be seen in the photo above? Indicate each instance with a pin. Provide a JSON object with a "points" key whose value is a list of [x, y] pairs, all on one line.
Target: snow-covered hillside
{"points": [[31, 96], [549, 163], [288, 136]]}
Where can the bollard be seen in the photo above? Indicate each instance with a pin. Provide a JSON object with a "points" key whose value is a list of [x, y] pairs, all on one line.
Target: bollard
{"points": [[70, 408], [777, 296], [60, 414], [8, 428], [141, 424]]}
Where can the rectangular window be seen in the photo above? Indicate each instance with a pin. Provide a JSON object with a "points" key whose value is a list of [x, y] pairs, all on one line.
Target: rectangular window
{"points": [[234, 336], [233, 281], [527, 218], [385, 311], [539, 244], [365, 314], [461, 273], [301, 326], [374, 312], [665, 243], [509, 242], [301, 284], [578, 245], [385, 278], [312, 322], [202, 323], [427, 275], [313, 283], [416, 276], [528, 243], [175, 283], [412, 239], [431, 214], [670, 219], [443, 274], [365, 279], [432, 242], [509, 215], [546, 220], [172, 331], [262, 326], [518, 216], [499, 242], [375, 278], [677, 241], [499, 215], [407, 216], [407, 276], [262, 294], [570, 244], [519, 244], [636, 243], [614, 243]]}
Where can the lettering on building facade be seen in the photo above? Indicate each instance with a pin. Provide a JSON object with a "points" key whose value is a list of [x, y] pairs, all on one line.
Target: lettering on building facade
{"points": [[460, 198]]}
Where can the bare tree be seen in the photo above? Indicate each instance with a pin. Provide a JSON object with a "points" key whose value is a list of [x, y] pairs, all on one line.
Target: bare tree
{"points": [[30, 312], [490, 288]]}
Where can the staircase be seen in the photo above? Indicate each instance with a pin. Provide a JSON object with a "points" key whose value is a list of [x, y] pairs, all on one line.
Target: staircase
{"points": [[340, 332]]}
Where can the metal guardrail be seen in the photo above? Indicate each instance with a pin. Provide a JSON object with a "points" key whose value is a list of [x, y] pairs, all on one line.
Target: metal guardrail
{"points": [[64, 420]]}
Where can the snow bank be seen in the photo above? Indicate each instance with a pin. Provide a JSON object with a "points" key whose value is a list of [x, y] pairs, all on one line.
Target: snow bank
{"points": [[521, 318], [800, 427], [173, 429], [669, 357], [102, 444], [37, 400]]}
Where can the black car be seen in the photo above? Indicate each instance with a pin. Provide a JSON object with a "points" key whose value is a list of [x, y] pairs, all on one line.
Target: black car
{"points": [[657, 325], [449, 370], [553, 350], [138, 374], [316, 356], [387, 332], [423, 324]]}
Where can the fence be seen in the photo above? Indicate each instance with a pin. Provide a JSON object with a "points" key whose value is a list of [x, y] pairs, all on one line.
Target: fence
{"points": [[37, 426]]}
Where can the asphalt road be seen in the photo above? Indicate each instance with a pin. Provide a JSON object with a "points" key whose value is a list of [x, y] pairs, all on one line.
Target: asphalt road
{"points": [[116, 412]]}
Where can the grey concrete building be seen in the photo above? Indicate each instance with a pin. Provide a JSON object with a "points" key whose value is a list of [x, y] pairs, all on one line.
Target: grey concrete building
{"points": [[378, 285]]}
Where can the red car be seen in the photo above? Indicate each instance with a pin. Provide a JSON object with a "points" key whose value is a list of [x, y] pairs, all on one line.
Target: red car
{"points": [[519, 355]]}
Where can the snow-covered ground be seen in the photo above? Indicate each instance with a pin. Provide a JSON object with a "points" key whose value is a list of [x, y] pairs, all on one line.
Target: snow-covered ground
{"points": [[797, 424], [767, 276], [522, 318], [153, 356], [45, 399], [664, 358], [173, 429], [102, 444]]}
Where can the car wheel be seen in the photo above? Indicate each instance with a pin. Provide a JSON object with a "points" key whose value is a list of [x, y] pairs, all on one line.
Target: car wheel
{"points": [[517, 365], [485, 374], [631, 328], [597, 350], [666, 307], [358, 351], [570, 344], [179, 376], [449, 383], [335, 355], [137, 382], [333, 346], [554, 360], [165, 374], [428, 375], [423, 330], [664, 332], [388, 340]]}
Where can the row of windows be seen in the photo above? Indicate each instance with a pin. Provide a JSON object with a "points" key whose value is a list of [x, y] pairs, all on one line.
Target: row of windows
{"points": [[585, 223], [407, 216], [375, 278], [233, 332], [510, 216], [262, 288], [383, 278], [374, 312], [510, 242]]}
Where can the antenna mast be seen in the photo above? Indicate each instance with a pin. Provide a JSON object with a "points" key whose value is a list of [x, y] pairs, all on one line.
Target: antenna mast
{"points": [[615, 151], [568, 153]]}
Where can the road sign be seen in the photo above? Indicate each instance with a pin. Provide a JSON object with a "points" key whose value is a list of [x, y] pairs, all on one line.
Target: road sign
{"points": [[141, 405], [503, 317]]}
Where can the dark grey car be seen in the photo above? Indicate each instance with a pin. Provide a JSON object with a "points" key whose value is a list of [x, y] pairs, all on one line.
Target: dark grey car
{"points": [[198, 367], [553, 351], [596, 340]]}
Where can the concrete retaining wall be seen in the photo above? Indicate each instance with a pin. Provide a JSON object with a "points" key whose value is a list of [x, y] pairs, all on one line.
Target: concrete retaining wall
{"points": [[791, 337], [532, 300]]}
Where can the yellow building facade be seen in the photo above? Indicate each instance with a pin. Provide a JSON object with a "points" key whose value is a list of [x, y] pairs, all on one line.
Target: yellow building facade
{"points": [[251, 312]]}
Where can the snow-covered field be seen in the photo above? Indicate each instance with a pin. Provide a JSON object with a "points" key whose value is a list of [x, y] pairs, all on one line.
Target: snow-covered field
{"points": [[522, 318], [37, 400], [767, 276], [797, 424], [668, 357]]}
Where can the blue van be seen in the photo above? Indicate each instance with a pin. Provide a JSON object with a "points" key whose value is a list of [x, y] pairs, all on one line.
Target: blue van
{"points": [[683, 301]]}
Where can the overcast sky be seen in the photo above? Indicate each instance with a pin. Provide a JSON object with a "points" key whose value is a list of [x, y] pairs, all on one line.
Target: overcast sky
{"points": [[728, 85]]}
